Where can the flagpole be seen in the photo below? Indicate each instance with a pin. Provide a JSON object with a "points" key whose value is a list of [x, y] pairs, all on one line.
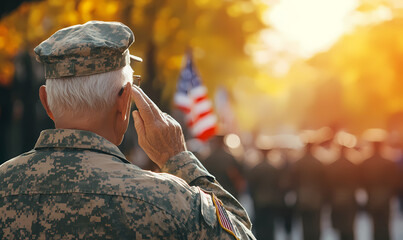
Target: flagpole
{"points": [[188, 25]]}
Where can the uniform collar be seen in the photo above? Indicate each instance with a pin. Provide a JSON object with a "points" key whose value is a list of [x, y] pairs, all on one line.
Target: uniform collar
{"points": [[78, 139]]}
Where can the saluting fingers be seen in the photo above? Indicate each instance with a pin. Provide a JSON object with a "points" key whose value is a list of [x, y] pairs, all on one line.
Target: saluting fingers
{"points": [[154, 108], [145, 110], [138, 123]]}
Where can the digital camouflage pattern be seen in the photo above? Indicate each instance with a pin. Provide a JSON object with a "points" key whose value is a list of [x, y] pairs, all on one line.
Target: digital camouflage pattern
{"points": [[76, 184], [91, 48]]}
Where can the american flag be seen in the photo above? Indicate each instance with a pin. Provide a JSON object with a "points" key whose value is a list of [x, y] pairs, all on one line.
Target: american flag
{"points": [[191, 98], [223, 217]]}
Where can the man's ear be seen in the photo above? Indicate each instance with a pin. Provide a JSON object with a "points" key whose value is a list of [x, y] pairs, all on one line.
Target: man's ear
{"points": [[44, 100], [124, 101]]}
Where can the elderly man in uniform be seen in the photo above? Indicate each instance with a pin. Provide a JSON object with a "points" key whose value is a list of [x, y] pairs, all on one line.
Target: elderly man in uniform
{"points": [[76, 183]]}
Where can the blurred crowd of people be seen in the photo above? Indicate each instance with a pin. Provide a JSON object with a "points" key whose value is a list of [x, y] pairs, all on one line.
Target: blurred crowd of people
{"points": [[340, 172]]}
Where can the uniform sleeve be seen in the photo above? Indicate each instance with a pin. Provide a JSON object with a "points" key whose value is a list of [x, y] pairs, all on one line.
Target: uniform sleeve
{"points": [[186, 166]]}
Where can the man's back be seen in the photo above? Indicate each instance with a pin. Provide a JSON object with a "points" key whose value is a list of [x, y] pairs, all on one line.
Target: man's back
{"points": [[75, 184]]}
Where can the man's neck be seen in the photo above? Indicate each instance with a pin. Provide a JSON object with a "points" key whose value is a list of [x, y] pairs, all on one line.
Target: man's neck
{"points": [[96, 123]]}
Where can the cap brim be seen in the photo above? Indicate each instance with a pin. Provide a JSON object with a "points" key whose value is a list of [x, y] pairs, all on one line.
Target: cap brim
{"points": [[135, 58]]}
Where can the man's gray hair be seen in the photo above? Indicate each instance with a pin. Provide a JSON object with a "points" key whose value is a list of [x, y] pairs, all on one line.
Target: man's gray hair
{"points": [[86, 94]]}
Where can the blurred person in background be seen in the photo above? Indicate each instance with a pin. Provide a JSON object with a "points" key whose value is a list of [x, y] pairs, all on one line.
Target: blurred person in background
{"points": [[287, 209], [307, 176], [380, 179], [265, 183], [77, 184], [395, 142], [227, 170], [342, 184]]}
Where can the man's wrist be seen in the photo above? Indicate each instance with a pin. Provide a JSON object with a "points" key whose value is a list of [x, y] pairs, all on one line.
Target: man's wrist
{"points": [[186, 166]]}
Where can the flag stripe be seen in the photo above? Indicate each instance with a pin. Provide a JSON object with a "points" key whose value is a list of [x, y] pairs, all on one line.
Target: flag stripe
{"points": [[198, 91], [202, 107], [183, 102], [190, 122], [204, 123], [206, 134]]}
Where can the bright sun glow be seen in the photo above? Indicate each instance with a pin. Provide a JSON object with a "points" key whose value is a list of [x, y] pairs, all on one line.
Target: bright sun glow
{"points": [[313, 25]]}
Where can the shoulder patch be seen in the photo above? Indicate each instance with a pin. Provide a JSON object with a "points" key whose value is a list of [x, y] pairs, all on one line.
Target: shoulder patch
{"points": [[223, 217]]}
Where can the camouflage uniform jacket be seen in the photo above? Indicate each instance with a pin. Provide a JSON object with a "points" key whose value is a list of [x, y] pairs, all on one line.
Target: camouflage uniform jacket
{"points": [[76, 184]]}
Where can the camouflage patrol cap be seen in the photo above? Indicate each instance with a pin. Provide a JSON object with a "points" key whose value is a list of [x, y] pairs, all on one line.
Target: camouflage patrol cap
{"points": [[87, 49]]}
